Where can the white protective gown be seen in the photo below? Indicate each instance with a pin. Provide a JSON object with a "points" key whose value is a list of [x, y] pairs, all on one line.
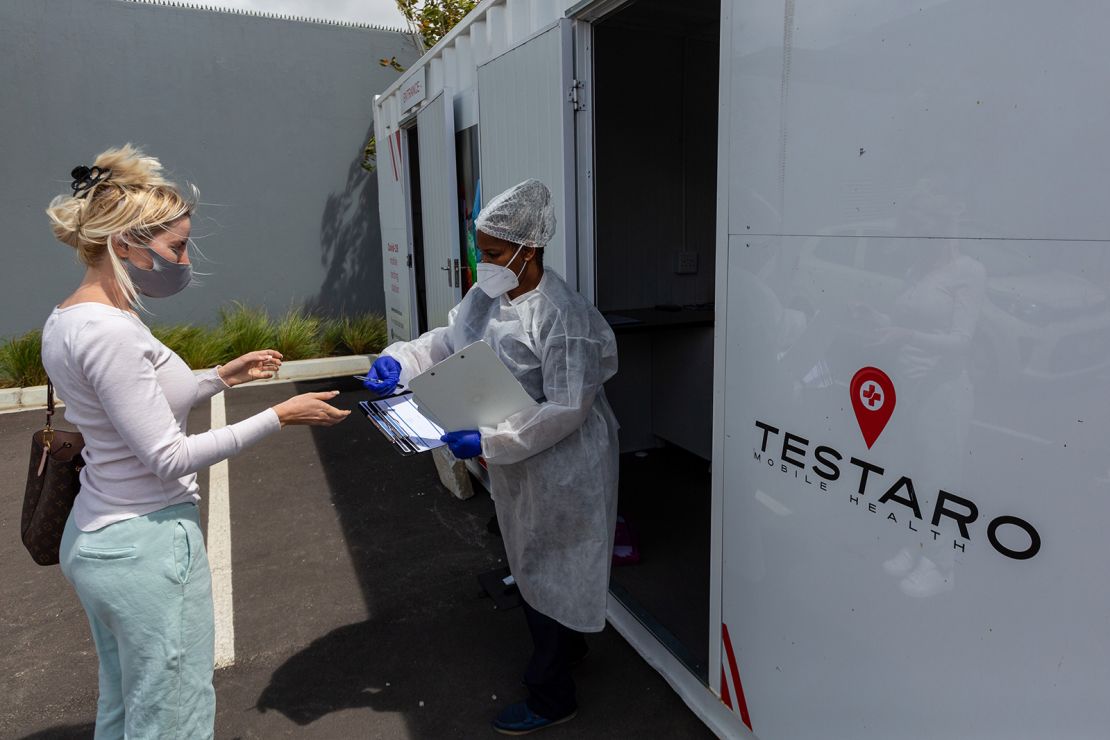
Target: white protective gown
{"points": [[553, 468]]}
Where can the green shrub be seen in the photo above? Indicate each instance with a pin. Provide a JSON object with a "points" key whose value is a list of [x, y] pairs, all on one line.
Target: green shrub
{"points": [[199, 346], [297, 336], [331, 337], [365, 334], [246, 329], [21, 361]]}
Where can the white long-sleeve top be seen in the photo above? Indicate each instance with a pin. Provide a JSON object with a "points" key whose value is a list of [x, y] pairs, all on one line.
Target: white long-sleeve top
{"points": [[130, 396]]}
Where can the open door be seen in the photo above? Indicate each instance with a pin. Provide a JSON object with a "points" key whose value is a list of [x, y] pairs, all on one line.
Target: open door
{"points": [[654, 185], [526, 125], [393, 208], [435, 126]]}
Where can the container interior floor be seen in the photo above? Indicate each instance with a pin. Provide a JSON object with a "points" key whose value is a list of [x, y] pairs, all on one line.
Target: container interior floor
{"points": [[665, 498]]}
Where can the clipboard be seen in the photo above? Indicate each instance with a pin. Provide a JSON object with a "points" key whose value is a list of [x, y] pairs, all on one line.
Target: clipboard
{"points": [[470, 389], [400, 420]]}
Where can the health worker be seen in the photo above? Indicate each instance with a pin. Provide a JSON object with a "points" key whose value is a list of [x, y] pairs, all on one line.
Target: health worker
{"points": [[553, 467]]}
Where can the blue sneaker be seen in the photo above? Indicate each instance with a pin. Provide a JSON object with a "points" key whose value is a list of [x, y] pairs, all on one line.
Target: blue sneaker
{"points": [[518, 719]]}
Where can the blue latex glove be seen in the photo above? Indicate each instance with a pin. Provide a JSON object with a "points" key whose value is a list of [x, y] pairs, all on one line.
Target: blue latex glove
{"points": [[465, 444], [383, 376]]}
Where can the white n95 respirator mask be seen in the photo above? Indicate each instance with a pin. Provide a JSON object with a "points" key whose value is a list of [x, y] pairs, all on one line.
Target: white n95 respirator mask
{"points": [[495, 280]]}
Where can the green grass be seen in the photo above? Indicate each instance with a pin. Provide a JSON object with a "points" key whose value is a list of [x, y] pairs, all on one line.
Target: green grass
{"points": [[297, 335], [365, 334], [200, 347], [331, 337], [246, 329], [21, 361]]}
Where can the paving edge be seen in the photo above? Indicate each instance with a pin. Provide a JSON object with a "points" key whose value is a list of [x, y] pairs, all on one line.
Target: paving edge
{"points": [[21, 399]]}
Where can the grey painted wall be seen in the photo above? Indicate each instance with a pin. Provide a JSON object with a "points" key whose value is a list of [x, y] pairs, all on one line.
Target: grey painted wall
{"points": [[267, 117]]}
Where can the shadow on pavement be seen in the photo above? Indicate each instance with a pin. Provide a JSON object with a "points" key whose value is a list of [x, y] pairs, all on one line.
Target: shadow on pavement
{"points": [[415, 552], [347, 673], [441, 677], [433, 658], [63, 732]]}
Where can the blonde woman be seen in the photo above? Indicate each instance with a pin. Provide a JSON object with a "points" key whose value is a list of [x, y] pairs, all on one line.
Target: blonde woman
{"points": [[133, 548]]}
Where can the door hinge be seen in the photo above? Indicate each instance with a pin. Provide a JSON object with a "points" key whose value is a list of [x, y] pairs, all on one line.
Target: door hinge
{"points": [[408, 260], [577, 95]]}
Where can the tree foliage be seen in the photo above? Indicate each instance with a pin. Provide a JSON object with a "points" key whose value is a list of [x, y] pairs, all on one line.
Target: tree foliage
{"points": [[430, 20]]}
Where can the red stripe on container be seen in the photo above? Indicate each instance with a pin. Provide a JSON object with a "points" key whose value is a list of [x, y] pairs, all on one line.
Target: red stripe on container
{"points": [[741, 702], [725, 696]]}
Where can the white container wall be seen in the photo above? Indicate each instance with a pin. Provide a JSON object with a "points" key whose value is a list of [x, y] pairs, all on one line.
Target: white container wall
{"points": [[910, 554], [910, 321], [526, 128]]}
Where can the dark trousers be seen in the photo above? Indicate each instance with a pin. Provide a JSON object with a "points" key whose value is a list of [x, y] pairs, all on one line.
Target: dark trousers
{"points": [[555, 648]]}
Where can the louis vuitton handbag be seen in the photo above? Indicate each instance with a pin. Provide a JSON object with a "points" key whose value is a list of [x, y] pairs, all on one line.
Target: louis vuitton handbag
{"points": [[53, 480]]}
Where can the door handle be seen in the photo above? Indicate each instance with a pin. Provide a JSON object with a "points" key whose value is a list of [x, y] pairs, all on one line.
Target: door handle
{"points": [[448, 269], [458, 283]]}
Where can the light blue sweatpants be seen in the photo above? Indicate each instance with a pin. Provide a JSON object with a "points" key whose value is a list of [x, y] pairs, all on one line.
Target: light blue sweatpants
{"points": [[146, 587]]}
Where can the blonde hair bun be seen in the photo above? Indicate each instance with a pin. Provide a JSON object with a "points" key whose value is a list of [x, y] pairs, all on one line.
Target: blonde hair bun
{"points": [[131, 168]]}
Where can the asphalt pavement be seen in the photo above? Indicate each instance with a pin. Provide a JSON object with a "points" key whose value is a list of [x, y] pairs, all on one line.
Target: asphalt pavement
{"points": [[357, 611]]}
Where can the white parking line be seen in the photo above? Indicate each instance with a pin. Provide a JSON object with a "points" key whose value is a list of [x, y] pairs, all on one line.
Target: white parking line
{"points": [[219, 547]]}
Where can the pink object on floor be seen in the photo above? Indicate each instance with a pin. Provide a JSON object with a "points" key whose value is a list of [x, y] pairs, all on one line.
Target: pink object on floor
{"points": [[625, 549]]}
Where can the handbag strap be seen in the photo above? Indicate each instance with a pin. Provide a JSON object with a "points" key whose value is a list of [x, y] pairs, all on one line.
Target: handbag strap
{"points": [[49, 402]]}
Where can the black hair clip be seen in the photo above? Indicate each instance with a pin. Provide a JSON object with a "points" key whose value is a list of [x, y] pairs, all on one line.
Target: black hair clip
{"points": [[86, 178]]}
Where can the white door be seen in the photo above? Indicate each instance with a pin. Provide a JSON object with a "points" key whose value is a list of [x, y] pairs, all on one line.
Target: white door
{"points": [[435, 127], [526, 128], [393, 209]]}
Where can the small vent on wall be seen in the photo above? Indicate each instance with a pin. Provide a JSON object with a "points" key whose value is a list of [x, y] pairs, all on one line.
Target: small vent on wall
{"points": [[259, 14]]}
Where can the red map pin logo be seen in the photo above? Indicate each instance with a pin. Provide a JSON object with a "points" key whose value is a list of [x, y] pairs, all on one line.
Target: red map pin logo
{"points": [[873, 400]]}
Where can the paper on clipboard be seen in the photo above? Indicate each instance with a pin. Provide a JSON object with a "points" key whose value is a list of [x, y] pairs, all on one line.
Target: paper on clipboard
{"points": [[470, 389], [400, 420]]}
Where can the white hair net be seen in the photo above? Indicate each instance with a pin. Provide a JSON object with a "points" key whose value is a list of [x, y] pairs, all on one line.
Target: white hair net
{"points": [[523, 214]]}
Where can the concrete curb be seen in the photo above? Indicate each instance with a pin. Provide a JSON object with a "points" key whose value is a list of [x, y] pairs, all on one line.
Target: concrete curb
{"points": [[22, 399]]}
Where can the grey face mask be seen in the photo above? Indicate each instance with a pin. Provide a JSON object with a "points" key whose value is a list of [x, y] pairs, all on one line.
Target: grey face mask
{"points": [[164, 279]]}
